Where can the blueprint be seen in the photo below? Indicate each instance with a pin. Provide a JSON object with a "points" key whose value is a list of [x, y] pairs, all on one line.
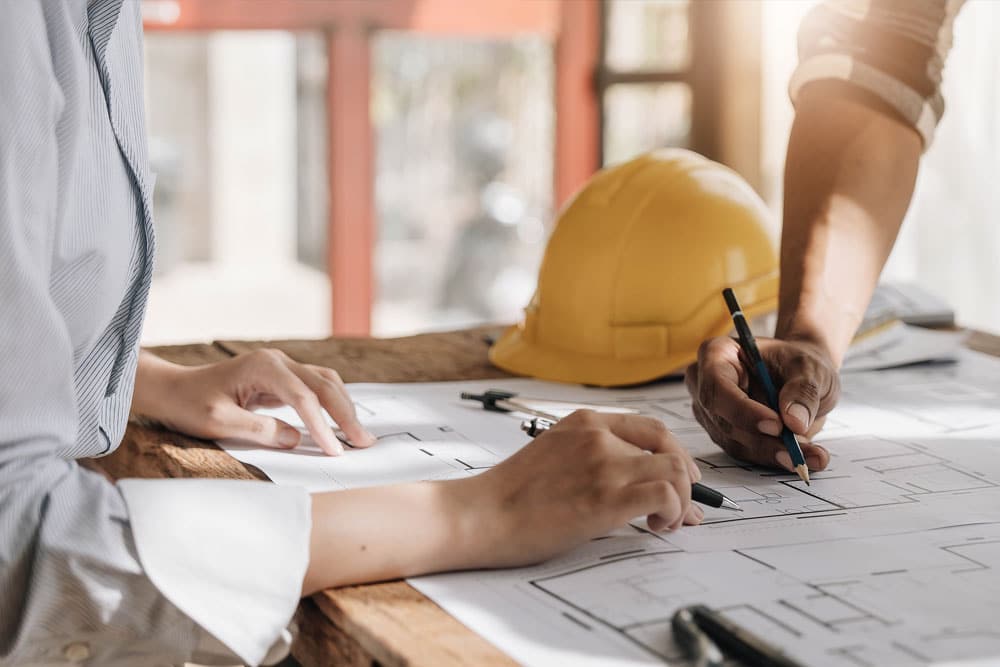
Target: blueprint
{"points": [[890, 557]]}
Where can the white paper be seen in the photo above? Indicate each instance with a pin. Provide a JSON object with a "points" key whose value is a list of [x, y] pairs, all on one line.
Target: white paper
{"points": [[887, 559], [901, 344]]}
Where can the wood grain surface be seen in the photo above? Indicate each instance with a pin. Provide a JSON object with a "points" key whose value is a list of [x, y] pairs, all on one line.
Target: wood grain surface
{"points": [[436, 357]]}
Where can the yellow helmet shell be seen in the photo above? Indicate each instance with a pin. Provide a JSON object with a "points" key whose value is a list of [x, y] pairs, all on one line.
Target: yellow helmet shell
{"points": [[631, 281]]}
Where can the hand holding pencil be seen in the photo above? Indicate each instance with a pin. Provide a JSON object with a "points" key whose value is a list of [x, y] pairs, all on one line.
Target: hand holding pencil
{"points": [[732, 403]]}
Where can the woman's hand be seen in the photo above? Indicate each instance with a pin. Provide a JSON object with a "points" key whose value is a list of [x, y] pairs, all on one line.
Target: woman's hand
{"points": [[216, 400], [589, 474]]}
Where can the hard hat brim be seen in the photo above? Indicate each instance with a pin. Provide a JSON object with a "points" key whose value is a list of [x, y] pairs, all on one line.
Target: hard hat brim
{"points": [[513, 353]]}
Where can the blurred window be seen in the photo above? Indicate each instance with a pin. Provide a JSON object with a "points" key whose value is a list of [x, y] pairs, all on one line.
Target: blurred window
{"points": [[647, 35], [464, 136], [639, 117], [644, 77], [236, 125]]}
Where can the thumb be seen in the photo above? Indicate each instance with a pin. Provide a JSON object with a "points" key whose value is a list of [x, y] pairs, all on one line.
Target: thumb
{"points": [[799, 401], [263, 430]]}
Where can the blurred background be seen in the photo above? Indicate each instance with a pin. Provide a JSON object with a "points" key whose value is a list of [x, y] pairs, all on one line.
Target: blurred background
{"points": [[386, 167]]}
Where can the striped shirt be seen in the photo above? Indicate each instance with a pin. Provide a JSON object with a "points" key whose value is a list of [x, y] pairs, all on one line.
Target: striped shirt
{"points": [[146, 571], [892, 51]]}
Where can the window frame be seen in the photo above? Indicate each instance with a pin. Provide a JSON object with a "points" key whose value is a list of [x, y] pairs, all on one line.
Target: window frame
{"points": [[348, 27]]}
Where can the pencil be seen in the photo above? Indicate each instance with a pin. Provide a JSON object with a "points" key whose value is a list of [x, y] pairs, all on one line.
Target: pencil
{"points": [[757, 365], [700, 493]]}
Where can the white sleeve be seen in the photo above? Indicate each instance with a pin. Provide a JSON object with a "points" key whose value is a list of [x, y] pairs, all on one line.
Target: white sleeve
{"points": [[229, 554], [131, 575]]}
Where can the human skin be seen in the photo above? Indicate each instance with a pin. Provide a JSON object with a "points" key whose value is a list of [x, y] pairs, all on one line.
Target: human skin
{"points": [[849, 177], [586, 476]]}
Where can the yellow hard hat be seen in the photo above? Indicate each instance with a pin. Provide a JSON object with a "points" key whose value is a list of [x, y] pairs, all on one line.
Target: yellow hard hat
{"points": [[631, 281]]}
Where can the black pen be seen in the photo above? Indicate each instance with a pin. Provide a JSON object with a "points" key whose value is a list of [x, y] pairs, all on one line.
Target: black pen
{"points": [[757, 365], [694, 641], [700, 493], [737, 641]]}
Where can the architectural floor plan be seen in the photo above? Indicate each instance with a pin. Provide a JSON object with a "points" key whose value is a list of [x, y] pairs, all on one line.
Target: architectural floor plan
{"points": [[890, 557]]}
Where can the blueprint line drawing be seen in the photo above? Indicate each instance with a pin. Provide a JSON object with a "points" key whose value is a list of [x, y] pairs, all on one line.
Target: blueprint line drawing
{"points": [[891, 557]]}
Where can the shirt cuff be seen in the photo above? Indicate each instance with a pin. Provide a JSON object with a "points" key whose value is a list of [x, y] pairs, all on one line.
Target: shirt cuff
{"points": [[919, 112], [229, 554]]}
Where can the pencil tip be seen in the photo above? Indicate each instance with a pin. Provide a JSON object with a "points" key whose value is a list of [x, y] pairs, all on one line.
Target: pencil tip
{"points": [[803, 472]]}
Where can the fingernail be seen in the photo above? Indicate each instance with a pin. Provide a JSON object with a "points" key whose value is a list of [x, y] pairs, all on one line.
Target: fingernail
{"points": [[370, 437], [695, 471], [783, 459], [699, 512], [815, 459], [288, 437], [800, 412], [769, 427]]}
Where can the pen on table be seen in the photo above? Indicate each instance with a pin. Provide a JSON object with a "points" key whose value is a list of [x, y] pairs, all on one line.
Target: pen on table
{"points": [[498, 400], [757, 365], [700, 493], [737, 641], [694, 641]]}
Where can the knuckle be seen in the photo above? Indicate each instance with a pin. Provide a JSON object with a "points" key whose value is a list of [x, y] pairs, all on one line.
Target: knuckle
{"points": [[214, 413], [302, 397], [658, 427], [603, 491], [666, 495], [663, 493], [677, 462], [586, 419], [808, 389], [709, 347], [270, 355], [596, 441]]}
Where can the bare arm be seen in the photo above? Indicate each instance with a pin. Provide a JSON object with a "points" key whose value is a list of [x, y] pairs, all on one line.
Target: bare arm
{"points": [[589, 474], [867, 92], [849, 177]]}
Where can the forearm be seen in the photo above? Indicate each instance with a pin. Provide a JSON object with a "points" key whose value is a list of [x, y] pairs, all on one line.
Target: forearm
{"points": [[849, 177], [153, 381], [389, 532]]}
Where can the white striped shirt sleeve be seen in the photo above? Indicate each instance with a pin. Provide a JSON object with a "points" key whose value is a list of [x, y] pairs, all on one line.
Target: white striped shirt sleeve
{"points": [[146, 572]]}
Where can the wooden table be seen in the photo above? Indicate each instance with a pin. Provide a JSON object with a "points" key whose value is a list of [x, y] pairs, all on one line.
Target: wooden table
{"points": [[386, 624]]}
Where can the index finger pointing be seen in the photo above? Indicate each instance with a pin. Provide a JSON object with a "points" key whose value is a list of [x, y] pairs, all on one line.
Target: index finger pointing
{"points": [[294, 392], [333, 396]]}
